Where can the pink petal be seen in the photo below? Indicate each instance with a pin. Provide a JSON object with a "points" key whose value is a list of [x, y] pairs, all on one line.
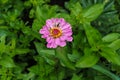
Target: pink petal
{"points": [[63, 38], [69, 39], [61, 20], [51, 45], [48, 45], [44, 36], [56, 20], [66, 26], [57, 41], [54, 45], [62, 44], [68, 34], [49, 23], [66, 30], [50, 40], [42, 31], [45, 27], [62, 24]]}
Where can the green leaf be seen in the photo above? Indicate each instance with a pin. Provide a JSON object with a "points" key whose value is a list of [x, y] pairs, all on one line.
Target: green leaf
{"points": [[88, 60], [61, 74], [106, 72], [111, 37], [21, 51], [29, 76], [42, 51], [3, 1], [34, 69], [40, 66], [93, 35], [73, 6], [76, 77], [37, 25], [40, 14], [115, 44], [92, 12], [2, 44], [75, 9], [110, 55], [62, 55], [7, 62], [47, 54]]}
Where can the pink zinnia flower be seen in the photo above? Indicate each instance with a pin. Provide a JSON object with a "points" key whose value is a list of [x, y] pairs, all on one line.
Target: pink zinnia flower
{"points": [[56, 32]]}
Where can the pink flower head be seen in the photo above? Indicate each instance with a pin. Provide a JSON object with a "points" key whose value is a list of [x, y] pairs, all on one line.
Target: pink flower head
{"points": [[56, 32]]}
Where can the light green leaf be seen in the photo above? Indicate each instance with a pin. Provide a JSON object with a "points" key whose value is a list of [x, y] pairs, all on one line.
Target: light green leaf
{"points": [[62, 55], [111, 37], [42, 51], [106, 72], [76, 77], [110, 55], [29, 76], [115, 44], [7, 62], [93, 35], [34, 69], [21, 51], [88, 60], [76, 9], [36, 26], [92, 12], [2, 44], [47, 54], [4, 1], [39, 13]]}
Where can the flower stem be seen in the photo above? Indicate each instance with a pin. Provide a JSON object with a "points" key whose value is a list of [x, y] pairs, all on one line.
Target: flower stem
{"points": [[106, 72]]}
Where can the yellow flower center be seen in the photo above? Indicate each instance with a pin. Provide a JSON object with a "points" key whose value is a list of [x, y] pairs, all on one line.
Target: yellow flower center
{"points": [[55, 32]]}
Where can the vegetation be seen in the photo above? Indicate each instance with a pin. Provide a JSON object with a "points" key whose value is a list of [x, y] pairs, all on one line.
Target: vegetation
{"points": [[94, 53]]}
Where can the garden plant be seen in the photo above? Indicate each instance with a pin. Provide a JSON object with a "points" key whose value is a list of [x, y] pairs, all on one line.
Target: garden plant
{"points": [[59, 39]]}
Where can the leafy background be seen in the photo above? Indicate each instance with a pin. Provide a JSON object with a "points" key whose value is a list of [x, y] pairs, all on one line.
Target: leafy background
{"points": [[95, 48]]}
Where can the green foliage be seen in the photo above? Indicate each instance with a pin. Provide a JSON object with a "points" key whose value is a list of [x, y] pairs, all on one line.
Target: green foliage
{"points": [[111, 37], [95, 47], [93, 12], [76, 77], [89, 59]]}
